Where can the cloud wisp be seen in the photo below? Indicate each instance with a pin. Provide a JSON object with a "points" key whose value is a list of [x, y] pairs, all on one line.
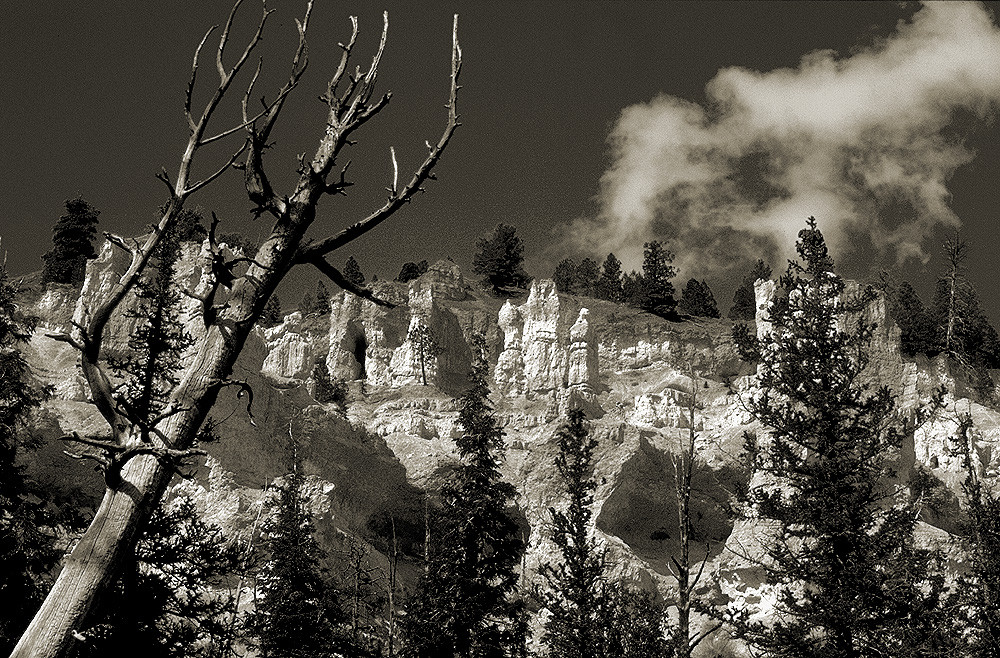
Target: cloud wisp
{"points": [[866, 143]]}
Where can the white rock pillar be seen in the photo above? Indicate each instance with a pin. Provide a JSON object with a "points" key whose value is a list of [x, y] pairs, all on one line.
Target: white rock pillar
{"points": [[509, 373], [582, 369]]}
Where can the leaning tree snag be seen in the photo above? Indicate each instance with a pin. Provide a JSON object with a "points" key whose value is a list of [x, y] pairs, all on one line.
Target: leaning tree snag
{"points": [[140, 455]]}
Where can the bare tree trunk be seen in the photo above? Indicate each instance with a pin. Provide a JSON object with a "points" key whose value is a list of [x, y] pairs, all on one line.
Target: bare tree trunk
{"points": [[139, 457], [93, 563], [956, 251], [684, 572]]}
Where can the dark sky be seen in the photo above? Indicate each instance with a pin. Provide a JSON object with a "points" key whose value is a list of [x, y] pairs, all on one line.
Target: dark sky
{"points": [[93, 97]]}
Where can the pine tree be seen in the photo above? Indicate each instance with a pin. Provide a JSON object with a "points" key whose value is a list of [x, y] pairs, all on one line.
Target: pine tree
{"points": [[917, 334], [272, 316], [326, 389], [697, 300], [564, 276], [576, 592], [636, 625], [652, 290], [72, 244], [321, 304], [609, 285], [587, 275], [426, 344], [500, 260], [657, 272], [976, 597], [464, 605], [963, 330], [158, 342], [167, 602], [190, 225], [849, 580], [744, 306], [411, 271], [353, 273], [298, 613], [27, 547]]}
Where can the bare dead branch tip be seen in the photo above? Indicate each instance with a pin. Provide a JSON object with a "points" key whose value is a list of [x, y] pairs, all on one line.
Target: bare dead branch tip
{"points": [[337, 277]]}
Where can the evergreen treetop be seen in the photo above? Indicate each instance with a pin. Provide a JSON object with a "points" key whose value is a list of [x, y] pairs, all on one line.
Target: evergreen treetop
{"points": [[298, 612], [849, 580], [499, 258], [353, 273], [72, 244], [697, 300], [464, 604], [609, 285], [744, 298], [576, 595]]}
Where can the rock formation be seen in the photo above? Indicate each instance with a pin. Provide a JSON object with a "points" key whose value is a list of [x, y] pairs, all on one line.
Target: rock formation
{"points": [[633, 373]]}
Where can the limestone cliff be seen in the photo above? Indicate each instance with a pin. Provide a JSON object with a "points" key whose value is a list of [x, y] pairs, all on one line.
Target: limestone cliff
{"points": [[372, 466]]}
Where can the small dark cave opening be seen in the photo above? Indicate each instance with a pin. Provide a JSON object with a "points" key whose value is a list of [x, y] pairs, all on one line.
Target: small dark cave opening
{"points": [[360, 349]]}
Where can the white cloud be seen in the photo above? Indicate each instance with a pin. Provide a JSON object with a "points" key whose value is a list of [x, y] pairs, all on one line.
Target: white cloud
{"points": [[843, 139]]}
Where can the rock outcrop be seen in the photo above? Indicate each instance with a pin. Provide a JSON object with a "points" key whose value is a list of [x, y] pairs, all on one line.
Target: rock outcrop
{"points": [[370, 467]]}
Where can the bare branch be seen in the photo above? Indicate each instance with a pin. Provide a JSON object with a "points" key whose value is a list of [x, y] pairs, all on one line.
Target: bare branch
{"points": [[66, 338], [309, 252], [119, 242], [331, 91], [246, 96], [224, 38], [221, 170], [395, 171], [194, 74], [165, 177], [244, 389], [338, 278], [249, 122]]}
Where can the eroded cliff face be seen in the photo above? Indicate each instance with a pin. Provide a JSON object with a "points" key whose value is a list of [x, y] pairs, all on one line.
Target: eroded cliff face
{"points": [[372, 467]]}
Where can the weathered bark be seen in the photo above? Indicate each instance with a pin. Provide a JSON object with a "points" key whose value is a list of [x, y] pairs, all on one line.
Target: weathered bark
{"points": [[130, 499], [93, 563]]}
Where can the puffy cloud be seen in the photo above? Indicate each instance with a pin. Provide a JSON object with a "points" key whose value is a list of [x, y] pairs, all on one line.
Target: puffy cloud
{"points": [[866, 143]]}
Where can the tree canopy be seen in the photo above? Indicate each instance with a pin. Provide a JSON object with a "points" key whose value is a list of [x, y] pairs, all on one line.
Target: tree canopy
{"points": [[499, 258], [72, 243]]}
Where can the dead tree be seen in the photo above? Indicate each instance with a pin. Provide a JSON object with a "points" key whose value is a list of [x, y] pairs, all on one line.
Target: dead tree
{"points": [[686, 571], [141, 456]]}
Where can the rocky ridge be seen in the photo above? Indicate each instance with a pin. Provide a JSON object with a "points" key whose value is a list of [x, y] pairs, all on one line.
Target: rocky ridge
{"points": [[374, 464]]}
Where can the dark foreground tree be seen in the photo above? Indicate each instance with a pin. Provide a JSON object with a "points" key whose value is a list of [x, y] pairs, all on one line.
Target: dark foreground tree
{"points": [[72, 244], [977, 595], [576, 592], [138, 459], [27, 538], [297, 612], [849, 580], [464, 603], [169, 601], [500, 260]]}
